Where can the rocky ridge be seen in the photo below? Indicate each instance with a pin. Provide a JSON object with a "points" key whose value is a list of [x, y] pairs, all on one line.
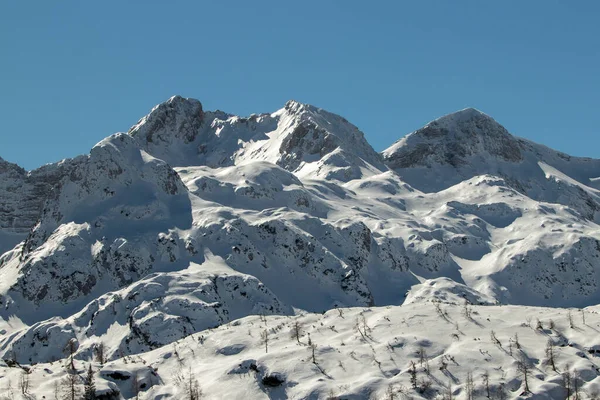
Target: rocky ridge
{"points": [[180, 222]]}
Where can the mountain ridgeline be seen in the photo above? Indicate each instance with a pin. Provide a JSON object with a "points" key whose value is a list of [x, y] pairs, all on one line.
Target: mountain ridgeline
{"points": [[195, 218]]}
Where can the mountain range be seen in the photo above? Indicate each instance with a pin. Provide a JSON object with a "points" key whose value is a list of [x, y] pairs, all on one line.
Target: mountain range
{"points": [[194, 220]]}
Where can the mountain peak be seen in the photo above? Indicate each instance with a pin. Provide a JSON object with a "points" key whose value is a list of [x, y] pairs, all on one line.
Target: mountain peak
{"points": [[178, 116], [453, 140], [465, 114], [468, 121], [296, 107]]}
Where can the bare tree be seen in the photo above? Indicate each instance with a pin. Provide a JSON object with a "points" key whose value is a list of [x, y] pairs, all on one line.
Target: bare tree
{"points": [[313, 348], [24, 382], [423, 359], [192, 387], [362, 326], [389, 393], [576, 386], [501, 392], [495, 339], [264, 339], [70, 350], [583, 316], [412, 370], [469, 386], [448, 395], [485, 377], [567, 380], [438, 308], [70, 383], [570, 317], [550, 354], [525, 370], [331, 395], [467, 309], [297, 331], [70, 386]]}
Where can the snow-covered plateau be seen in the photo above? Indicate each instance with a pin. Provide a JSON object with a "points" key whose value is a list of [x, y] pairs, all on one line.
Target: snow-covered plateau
{"points": [[280, 256]]}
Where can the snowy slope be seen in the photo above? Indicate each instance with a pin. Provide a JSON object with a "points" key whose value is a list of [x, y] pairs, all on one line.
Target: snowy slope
{"points": [[196, 218], [300, 138], [359, 353], [469, 143]]}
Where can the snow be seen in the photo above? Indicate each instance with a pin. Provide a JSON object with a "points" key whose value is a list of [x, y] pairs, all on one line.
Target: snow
{"points": [[231, 362], [175, 242]]}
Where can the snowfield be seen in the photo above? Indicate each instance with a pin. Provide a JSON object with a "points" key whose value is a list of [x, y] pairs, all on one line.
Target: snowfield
{"points": [[183, 244], [359, 353]]}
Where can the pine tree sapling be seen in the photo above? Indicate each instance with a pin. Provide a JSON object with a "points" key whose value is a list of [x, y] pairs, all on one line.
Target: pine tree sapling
{"points": [[89, 385], [100, 353]]}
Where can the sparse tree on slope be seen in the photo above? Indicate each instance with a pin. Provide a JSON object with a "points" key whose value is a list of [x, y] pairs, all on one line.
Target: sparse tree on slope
{"points": [[297, 331], [192, 387], [550, 354], [469, 386], [89, 385], [264, 339], [70, 386], [412, 370], [100, 353], [486, 383], [525, 369], [24, 382]]}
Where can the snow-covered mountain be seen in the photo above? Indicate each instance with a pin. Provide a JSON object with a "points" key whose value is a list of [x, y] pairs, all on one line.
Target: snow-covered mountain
{"points": [[469, 143], [300, 138], [194, 219]]}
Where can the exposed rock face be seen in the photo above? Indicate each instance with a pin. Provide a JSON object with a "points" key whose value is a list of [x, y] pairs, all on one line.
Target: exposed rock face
{"points": [[22, 193], [13, 178], [22, 197], [103, 222], [469, 143], [176, 118], [452, 140], [154, 311], [300, 138], [195, 218]]}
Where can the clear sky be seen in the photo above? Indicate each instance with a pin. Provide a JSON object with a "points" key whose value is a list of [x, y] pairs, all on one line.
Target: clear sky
{"points": [[74, 72]]}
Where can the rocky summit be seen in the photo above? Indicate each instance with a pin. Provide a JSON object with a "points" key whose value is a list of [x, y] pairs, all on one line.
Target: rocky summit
{"points": [[208, 242]]}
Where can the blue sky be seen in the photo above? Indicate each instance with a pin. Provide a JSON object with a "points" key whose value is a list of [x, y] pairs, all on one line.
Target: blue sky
{"points": [[74, 72]]}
